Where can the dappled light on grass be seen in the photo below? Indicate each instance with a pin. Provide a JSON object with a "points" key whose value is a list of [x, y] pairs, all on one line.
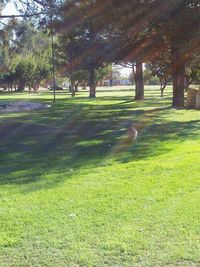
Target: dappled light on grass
{"points": [[82, 133], [70, 180], [79, 133]]}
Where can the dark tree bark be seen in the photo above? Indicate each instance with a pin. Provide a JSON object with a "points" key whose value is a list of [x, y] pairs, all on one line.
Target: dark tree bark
{"points": [[92, 83], [178, 88], [76, 87], [178, 80], [162, 88], [139, 82], [73, 91], [21, 86], [162, 91]]}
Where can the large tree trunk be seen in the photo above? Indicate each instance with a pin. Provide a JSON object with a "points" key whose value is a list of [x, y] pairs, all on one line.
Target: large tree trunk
{"points": [[92, 83], [178, 88], [178, 81], [139, 82]]}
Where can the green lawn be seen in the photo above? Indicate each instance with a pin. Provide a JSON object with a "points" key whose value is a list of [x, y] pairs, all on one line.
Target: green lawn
{"points": [[74, 192]]}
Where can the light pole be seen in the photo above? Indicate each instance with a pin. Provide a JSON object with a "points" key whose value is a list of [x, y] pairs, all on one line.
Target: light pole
{"points": [[52, 50], [53, 65]]}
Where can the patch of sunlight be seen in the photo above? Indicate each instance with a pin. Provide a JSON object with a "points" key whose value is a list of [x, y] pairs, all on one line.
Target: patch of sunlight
{"points": [[87, 143]]}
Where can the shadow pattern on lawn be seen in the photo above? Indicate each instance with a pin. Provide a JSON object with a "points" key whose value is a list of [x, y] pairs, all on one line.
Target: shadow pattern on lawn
{"points": [[75, 134]]}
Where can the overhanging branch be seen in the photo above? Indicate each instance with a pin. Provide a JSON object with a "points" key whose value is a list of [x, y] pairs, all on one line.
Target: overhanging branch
{"points": [[21, 16]]}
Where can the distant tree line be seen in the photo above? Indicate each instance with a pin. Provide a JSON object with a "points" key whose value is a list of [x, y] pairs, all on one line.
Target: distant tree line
{"points": [[92, 34]]}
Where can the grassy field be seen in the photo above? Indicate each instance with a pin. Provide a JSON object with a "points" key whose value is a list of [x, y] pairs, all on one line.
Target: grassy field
{"points": [[74, 192]]}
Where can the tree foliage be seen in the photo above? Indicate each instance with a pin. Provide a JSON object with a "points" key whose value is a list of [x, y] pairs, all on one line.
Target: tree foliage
{"points": [[192, 74], [24, 56]]}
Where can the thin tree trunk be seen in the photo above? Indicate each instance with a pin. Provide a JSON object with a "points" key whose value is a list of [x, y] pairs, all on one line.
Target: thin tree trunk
{"points": [[92, 83], [73, 91], [72, 87], [139, 82], [162, 88], [162, 91], [133, 73], [76, 87], [111, 77]]}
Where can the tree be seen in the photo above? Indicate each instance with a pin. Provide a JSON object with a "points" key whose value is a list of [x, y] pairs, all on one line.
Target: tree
{"points": [[131, 78], [25, 59], [116, 72], [102, 72], [149, 28], [179, 26], [77, 78], [130, 36], [136, 76], [25, 71], [149, 78], [192, 74], [161, 70], [83, 45], [82, 77]]}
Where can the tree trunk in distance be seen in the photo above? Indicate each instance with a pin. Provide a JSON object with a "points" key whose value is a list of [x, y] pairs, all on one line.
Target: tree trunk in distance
{"points": [[92, 83], [84, 87], [162, 91], [162, 88], [76, 88], [73, 92], [20, 86], [139, 82], [133, 73]]}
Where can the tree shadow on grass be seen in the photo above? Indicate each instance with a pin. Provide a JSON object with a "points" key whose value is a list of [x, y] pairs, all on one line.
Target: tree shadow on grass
{"points": [[75, 134]]}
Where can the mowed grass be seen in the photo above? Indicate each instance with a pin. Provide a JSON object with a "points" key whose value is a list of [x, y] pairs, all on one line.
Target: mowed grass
{"points": [[75, 192]]}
